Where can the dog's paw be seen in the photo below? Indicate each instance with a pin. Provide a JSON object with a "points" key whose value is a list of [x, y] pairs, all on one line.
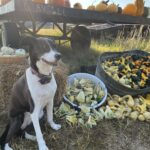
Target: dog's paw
{"points": [[55, 126], [7, 147], [43, 147]]}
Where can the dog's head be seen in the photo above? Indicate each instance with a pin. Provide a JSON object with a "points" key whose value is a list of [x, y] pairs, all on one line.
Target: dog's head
{"points": [[43, 54]]}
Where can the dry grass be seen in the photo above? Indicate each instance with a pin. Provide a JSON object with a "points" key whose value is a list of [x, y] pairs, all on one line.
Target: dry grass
{"points": [[134, 40], [108, 135]]}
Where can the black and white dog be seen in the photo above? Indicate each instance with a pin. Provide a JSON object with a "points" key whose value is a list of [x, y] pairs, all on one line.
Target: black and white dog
{"points": [[33, 92]]}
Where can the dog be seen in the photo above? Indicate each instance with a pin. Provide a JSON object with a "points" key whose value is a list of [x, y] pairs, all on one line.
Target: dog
{"points": [[33, 92]]}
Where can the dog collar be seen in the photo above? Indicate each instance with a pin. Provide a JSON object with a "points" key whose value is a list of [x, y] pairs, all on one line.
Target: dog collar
{"points": [[44, 79], [49, 63]]}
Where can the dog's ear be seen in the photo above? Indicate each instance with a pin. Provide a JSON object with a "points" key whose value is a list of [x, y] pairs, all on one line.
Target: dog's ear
{"points": [[28, 42]]}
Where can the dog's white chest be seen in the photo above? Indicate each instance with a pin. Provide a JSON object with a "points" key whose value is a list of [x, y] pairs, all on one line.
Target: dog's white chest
{"points": [[41, 94]]}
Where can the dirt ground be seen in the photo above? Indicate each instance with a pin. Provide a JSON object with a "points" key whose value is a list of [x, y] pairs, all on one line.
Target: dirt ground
{"points": [[108, 135]]}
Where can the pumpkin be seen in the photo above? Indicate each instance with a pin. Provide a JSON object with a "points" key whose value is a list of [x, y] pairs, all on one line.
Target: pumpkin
{"points": [[77, 6], [59, 2], [92, 7], [140, 7], [3, 2], [102, 6], [67, 3], [130, 9], [112, 8], [39, 1]]}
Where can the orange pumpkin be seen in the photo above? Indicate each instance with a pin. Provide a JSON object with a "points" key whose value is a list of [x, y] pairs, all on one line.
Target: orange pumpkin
{"points": [[77, 6], [3, 2], [102, 6], [130, 9], [67, 3], [140, 7], [39, 1], [92, 7], [59, 2], [112, 8]]}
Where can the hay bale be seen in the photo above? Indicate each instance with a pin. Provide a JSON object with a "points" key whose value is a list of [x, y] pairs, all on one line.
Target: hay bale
{"points": [[9, 74], [61, 73]]}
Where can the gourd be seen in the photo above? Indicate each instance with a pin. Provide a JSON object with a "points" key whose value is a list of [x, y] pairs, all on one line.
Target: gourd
{"points": [[91, 7], [59, 2], [3, 2], [130, 9], [102, 6], [140, 7], [67, 3], [112, 8], [77, 6], [39, 1]]}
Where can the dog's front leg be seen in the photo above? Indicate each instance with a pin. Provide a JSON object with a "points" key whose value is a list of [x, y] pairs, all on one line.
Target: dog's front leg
{"points": [[39, 136], [49, 109]]}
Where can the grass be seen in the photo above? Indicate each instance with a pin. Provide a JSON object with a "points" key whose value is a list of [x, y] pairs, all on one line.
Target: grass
{"points": [[108, 134], [134, 40]]}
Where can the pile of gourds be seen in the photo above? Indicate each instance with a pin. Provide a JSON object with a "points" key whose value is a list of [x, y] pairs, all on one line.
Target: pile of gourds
{"points": [[131, 71], [103, 7], [133, 9], [84, 92], [116, 108], [127, 107]]}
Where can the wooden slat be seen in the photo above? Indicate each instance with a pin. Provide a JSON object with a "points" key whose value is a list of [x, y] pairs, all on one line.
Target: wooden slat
{"points": [[7, 8], [26, 10]]}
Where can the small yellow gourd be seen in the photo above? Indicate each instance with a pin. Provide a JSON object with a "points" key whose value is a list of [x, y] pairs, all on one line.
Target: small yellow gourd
{"points": [[130, 9], [77, 6], [91, 7], [141, 117], [140, 7], [112, 8]]}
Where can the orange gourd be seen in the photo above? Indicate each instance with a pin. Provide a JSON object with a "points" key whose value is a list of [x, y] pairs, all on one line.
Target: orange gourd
{"points": [[130, 9], [59, 2], [67, 3], [92, 7], [77, 6], [102, 6], [112, 8], [140, 7], [3, 2]]}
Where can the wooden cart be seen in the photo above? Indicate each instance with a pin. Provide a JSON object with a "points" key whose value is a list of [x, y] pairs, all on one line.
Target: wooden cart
{"points": [[15, 14]]}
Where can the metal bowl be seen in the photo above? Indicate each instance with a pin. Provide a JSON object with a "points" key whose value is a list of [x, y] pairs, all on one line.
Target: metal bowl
{"points": [[94, 79]]}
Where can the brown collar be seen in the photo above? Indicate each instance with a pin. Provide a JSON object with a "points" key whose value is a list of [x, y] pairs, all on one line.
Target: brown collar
{"points": [[49, 63], [44, 79]]}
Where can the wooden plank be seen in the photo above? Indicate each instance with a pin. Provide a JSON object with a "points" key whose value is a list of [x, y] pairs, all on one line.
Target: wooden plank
{"points": [[69, 15], [7, 8], [26, 10]]}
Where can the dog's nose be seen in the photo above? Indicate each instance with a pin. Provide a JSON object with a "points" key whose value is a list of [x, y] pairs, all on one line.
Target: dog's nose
{"points": [[58, 56]]}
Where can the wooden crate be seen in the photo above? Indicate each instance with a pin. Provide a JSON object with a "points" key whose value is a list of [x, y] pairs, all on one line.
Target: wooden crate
{"points": [[12, 59]]}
